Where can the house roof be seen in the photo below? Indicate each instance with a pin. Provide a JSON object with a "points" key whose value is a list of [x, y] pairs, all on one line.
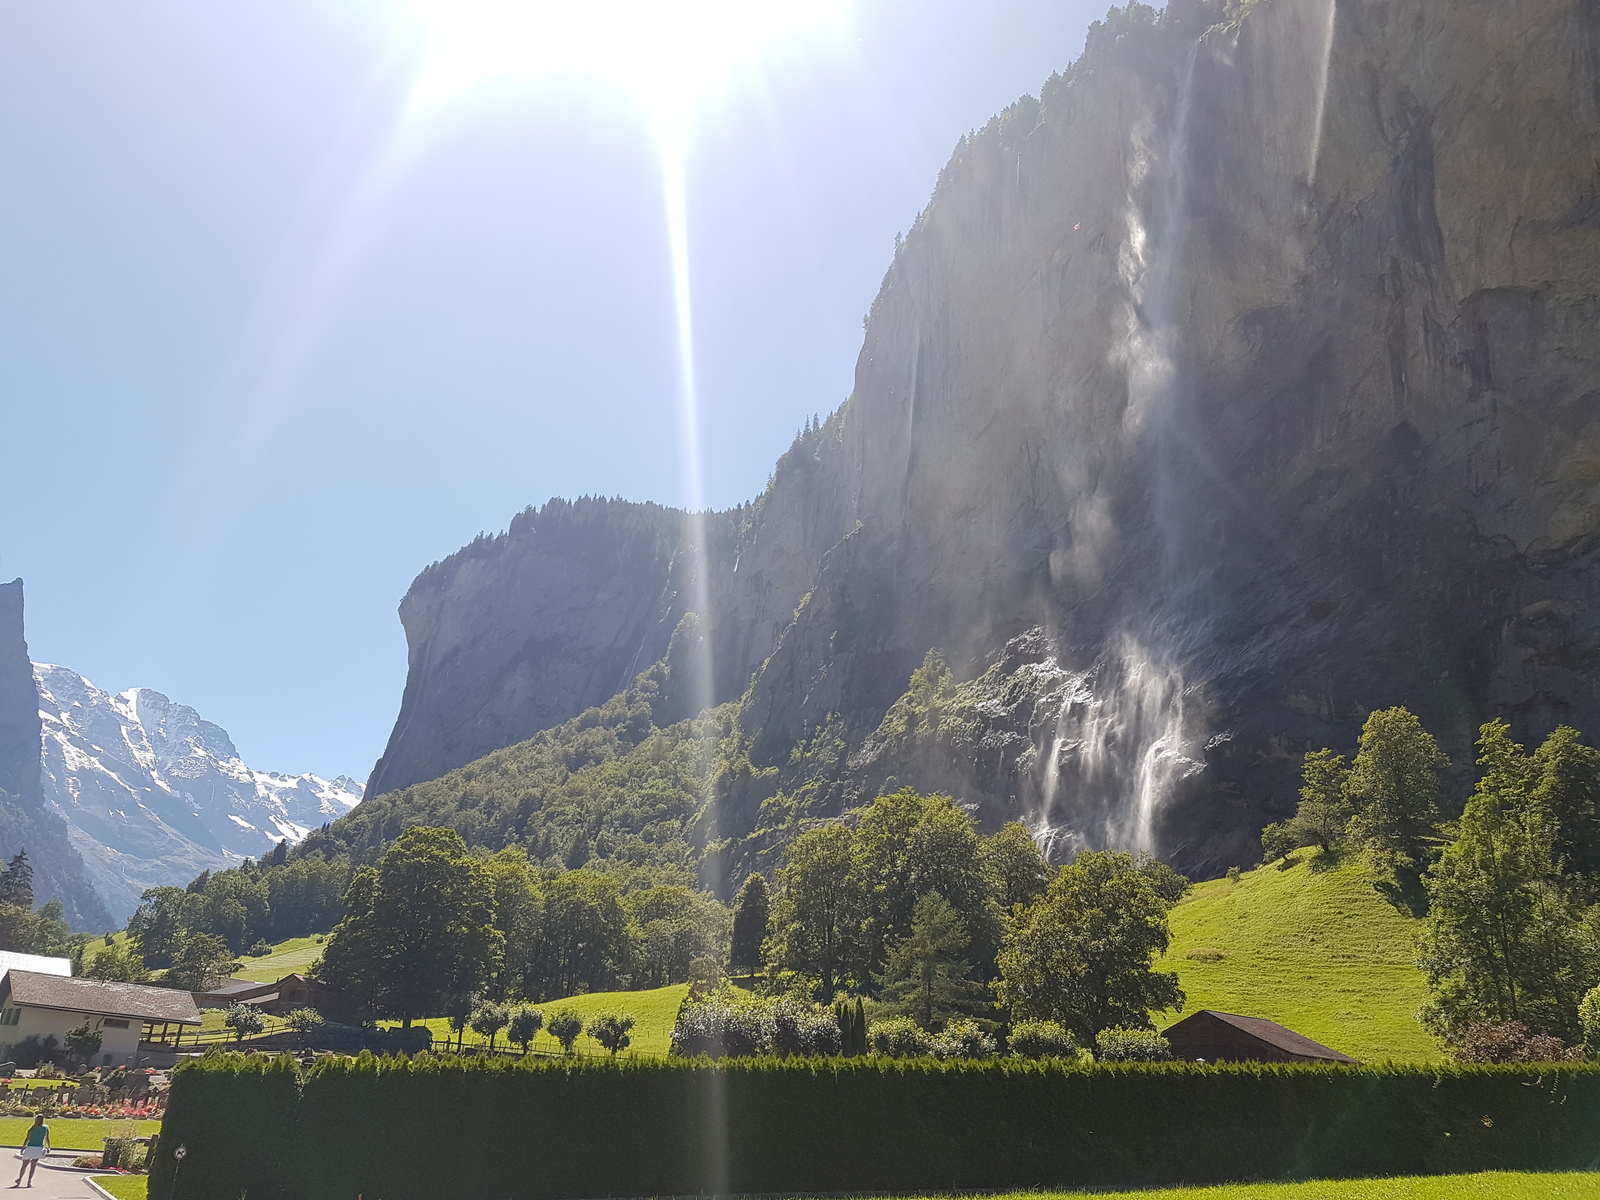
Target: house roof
{"points": [[99, 998], [234, 989], [11, 960], [1271, 1033]]}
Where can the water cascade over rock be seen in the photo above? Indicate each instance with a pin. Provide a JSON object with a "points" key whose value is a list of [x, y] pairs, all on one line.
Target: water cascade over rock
{"points": [[1243, 382]]}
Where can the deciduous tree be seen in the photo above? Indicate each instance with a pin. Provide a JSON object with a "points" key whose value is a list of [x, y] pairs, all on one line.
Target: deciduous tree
{"points": [[1082, 953], [418, 928]]}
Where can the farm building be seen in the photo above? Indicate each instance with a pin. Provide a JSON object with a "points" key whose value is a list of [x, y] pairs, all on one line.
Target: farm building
{"points": [[34, 1004], [1226, 1037]]}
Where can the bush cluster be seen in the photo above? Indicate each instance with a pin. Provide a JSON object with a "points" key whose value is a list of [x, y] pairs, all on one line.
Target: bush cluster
{"points": [[901, 1037], [729, 1023]]}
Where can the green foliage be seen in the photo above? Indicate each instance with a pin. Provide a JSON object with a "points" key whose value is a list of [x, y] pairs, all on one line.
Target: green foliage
{"points": [[1081, 954], [488, 1019], [1323, 816], [43, 932], [906, 846], [671, 926], [245, 1020], [851, 1018], [305, 1022], [818, 911], [732, 1023], [1131, 1045], [565, 1025], [524, 1026], [611, 1030], [900, 1037], [1394, 789], [418, 928], [16, 882], [926, 978], [83, 1042], [1017, 871], [752, 910], [374, 1126], [1589, 1021], [200, 961], [1504, 940], [1042, 1039]]}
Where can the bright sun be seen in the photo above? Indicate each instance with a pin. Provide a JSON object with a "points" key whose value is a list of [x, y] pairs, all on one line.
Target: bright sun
{"points": [[664, 52]]}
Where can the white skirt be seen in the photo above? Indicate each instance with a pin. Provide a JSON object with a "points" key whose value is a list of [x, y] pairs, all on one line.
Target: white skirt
{"points": [[32, 1152]]}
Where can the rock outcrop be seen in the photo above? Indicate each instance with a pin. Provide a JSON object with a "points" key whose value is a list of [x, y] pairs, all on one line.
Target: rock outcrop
{"points": [[1243, 382], [25, 821]]}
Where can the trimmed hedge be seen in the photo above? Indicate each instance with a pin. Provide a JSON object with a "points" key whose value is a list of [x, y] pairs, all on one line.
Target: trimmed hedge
{"points": [[445, 1128]]}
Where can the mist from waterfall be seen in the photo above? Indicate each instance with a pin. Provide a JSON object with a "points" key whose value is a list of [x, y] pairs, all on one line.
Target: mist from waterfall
{"points": [[1126, 734]]}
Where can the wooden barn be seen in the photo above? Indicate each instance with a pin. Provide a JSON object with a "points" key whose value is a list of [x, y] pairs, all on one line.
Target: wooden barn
{"points": [[1226, 1037]]}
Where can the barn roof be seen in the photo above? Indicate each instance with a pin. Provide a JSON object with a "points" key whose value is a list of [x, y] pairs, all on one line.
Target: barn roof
{"points": [[1272, 1034], [99, 997]]}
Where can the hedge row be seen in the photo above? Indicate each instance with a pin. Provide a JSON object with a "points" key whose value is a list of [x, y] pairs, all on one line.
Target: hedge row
{"points": [[443, 1128]]}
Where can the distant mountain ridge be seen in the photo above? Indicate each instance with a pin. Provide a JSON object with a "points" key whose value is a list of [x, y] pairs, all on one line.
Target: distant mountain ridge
{"points": [[153, 794]]}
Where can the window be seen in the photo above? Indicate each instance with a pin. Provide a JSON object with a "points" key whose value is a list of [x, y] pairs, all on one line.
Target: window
{"points": [[10, 1016], [110, 1023]]}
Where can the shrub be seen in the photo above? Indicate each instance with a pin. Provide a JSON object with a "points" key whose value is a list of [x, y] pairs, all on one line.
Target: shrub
{"points": [[261, 949], [1508, 1042], [373, 1126], [803, 1030], [1589, 1021], [900, 1037], [1042, 1039], [1131, 1045], [565, 1026], [30, 1052], [399, 1040], [963, 1039], [722, 1025]]}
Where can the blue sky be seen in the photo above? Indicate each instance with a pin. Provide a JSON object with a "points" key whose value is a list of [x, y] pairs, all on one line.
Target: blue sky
{"points": [[268, 348]]}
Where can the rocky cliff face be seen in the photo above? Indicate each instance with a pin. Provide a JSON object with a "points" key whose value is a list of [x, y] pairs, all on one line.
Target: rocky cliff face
{"points": [[25, 821], [1243, 382]]}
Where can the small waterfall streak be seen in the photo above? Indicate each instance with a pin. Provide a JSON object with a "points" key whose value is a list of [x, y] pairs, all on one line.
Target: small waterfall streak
{"points": [[1325, 63]]}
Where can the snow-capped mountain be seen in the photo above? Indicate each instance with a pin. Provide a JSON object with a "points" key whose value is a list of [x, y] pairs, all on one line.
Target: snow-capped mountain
{"points": [[154, 794]]}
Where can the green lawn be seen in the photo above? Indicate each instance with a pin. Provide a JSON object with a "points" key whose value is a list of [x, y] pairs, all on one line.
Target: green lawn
{"points": [[1318, 950], [1491, 1185], [288, 957], [653, 1013], [68, 1133], [125, 1187]]}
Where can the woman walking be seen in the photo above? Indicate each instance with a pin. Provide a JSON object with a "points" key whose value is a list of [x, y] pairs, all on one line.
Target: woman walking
{"points": [[34, 1148]]}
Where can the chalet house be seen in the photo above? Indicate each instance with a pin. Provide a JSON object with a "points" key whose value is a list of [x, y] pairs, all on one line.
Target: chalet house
{"points": [[39, 1005], [1225, 1037]]}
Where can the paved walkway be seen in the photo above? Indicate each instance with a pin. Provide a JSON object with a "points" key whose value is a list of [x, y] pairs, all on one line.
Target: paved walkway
{"points": [[54, 1179]]}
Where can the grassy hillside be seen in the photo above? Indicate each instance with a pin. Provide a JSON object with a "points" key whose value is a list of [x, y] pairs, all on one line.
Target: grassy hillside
{"points": [[653, 1013], [1315, 948], [296, 954]]}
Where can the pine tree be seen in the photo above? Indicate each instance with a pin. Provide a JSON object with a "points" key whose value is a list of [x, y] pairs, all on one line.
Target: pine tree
{"points": [[751, 912], [16, 883], [926, 979]]}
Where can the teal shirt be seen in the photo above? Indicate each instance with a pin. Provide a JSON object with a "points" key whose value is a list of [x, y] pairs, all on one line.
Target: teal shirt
{"points": [[37, 1135]]}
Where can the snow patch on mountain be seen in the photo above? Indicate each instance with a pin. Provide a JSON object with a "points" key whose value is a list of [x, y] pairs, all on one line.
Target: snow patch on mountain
{"points": [[153, 793]]}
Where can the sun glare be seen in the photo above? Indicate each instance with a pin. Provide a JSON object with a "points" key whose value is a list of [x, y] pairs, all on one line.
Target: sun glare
{"points": [[665, 53]]}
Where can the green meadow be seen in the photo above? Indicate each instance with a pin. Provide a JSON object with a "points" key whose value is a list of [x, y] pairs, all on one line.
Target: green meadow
{"points": [[1314, 947]]}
